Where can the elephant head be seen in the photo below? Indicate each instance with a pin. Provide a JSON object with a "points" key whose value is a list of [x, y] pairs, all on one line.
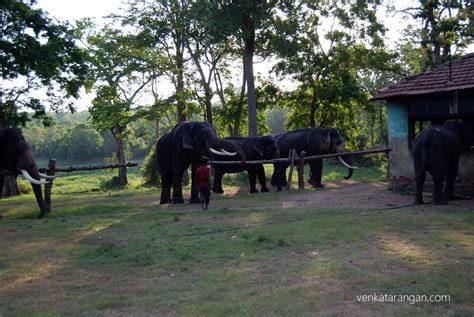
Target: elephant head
{"points": [[201, 138], [266, 147], [334, 143], [17, 157]]}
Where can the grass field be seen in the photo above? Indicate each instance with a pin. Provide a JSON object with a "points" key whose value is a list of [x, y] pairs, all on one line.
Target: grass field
{"points": [[118, 252]]}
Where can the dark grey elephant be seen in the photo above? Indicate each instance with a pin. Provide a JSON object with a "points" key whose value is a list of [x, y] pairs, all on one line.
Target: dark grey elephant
{"points": [[436, 150], [183, 146], [314, 141], [255, 149], [16, 157]]}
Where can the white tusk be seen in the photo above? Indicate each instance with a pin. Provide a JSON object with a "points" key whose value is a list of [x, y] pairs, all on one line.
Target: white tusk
{"points": [[345, 164], [221, 152], [229, 153], [214, 151], [46, 176], [31, 179]]}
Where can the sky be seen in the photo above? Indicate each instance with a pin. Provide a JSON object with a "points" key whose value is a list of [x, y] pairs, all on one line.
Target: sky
{"points": [[68, 10]]}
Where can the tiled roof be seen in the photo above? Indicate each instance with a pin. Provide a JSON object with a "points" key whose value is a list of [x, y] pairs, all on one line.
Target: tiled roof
{"points": [[437, 80]]}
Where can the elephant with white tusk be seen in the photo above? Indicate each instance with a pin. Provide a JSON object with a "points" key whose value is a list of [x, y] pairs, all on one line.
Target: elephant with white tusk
{"points": [[16, 157], [257, 148], [183, 146], [314, 141]]}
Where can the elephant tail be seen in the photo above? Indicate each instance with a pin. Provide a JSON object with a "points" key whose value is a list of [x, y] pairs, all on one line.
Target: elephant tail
{"points": [[422, 169]]}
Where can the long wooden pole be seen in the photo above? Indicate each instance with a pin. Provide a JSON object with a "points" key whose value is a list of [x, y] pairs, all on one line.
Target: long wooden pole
{"points": [[307, 158], [89, 168], [300, 169], [4, 172], [48, 187], [290, 174]]}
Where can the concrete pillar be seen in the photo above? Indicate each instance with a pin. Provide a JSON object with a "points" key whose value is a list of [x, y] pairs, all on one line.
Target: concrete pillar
{"points": [[400, 166]]}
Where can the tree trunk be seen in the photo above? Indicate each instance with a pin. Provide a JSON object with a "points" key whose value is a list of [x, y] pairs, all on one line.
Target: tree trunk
{"points": [[122, 171], [312, 119], [10, 188], [248, 60], [180, 99], [208, 106]]}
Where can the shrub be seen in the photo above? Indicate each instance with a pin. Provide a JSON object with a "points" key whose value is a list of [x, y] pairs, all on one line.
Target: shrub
{"points": [[149, 168]]}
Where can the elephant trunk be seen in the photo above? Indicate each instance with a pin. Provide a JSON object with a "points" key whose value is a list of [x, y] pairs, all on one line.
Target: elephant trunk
{"points": [[348, 162], [29, 169]]}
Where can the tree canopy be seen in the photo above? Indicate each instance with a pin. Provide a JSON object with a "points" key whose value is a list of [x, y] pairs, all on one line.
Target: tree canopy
{"points": [[39, 56]]}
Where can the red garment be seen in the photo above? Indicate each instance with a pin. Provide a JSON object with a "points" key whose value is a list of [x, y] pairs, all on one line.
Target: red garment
{"points": [[203, 175]]}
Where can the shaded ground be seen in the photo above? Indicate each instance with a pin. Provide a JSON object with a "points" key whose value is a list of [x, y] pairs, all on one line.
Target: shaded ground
{"points": [[341, 194], [305, 252]]}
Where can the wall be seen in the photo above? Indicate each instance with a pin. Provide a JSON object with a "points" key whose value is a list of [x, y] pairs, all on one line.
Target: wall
{"points": [[400, 163]]}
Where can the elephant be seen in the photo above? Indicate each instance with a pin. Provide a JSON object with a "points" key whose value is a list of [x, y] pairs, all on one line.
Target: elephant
{"points": [[16, 157], [314, 141], [183, 146], [436, 150], [256, 148]]}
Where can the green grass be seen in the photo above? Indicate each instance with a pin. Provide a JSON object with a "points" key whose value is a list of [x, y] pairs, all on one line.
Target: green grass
{"points": [[118, 252]]}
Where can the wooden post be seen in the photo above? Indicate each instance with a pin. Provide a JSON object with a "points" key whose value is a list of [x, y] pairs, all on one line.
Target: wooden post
{"points": [[48, 187], [290, 175], [300, 169]]}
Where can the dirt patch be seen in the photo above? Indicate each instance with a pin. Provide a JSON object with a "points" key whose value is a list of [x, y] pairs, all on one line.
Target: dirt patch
{"points": [[341, 194], [349, 194]]}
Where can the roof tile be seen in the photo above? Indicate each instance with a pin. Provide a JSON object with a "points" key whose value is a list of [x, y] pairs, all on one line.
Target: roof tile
{"points": [[437, 80]]}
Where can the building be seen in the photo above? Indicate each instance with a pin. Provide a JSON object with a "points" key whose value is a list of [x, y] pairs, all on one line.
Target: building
{"points": [[415, 103]]}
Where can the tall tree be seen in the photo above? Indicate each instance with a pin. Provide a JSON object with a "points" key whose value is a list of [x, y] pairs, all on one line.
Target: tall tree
{"points": [[324, 46], [163, 24], [245, 21], [36, 54], [121, 73], [208, 56], [445, 27]]}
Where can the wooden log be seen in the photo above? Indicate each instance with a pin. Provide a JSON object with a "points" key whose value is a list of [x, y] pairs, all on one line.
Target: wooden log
{"points": [[300, 169], [292, 165], [89, 168], [48, 187], [7, 173], [307, 158]]}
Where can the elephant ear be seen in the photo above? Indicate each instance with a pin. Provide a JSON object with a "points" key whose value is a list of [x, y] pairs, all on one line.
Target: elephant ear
{"points": [[326, 141], [188, 142], [257, 147]]}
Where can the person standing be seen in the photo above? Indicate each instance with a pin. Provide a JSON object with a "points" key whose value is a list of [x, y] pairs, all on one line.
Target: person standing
{"points": [[203, 181]]}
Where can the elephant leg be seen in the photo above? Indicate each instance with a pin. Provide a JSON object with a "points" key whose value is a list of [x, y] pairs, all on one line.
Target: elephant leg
{"points": [[420, 181], [438, 197], [177, 185], [316, 172], [217, 187], [194, 189], [278, 177], [451, 180], [166, 182], [252, 181], [283, 180], [260, 170], [275, 176]]}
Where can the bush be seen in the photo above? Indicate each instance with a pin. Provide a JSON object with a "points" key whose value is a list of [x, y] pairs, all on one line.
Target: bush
{"points": [[149, 168]]}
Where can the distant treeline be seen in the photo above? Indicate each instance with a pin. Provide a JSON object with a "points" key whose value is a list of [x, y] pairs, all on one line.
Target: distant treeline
{"points": [[72, 137]]}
